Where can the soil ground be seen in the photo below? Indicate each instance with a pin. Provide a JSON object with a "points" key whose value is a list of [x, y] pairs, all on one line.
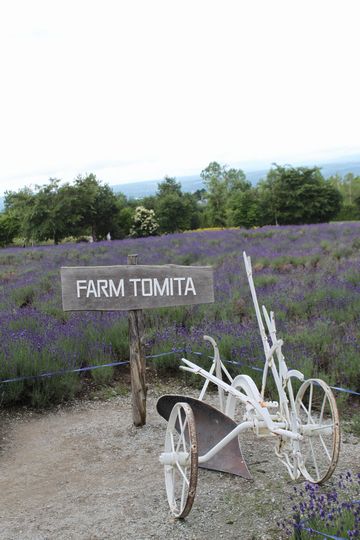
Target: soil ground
{"points": [[84, 472]]}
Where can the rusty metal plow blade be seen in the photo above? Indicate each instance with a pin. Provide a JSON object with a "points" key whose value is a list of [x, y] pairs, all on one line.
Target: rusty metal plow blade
{"points": [[211, 427]]}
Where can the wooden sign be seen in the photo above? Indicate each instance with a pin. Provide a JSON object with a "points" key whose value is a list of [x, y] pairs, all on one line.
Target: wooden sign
{"points": [[129, 287]]}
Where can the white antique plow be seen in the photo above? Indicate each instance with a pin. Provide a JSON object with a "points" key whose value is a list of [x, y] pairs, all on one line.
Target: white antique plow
{"points": [[305, 427]]}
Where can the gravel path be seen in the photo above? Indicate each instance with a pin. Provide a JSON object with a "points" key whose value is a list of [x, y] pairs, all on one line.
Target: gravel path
{"points": [[83, 472]]}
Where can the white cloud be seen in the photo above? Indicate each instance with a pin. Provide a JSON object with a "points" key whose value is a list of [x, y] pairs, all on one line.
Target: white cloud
{"points": [[143, 89]]}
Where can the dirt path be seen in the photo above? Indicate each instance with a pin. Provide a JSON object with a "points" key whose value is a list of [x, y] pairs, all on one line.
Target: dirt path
{"points": [[83, 472]]}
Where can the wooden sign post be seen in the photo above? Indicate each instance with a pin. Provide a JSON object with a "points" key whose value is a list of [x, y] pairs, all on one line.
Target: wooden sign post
{"points": [[137, 361], [134, 287]]}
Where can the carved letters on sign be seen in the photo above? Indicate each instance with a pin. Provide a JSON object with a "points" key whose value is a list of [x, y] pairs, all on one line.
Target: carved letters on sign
{"points": [[135, 286]]}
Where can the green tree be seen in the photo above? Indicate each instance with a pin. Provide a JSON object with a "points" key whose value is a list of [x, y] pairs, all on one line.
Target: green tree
{"points": [[148, 202], [213, 178], [52, 215], [175, 210], [54, 211], [200, 195], [246, 209], [19, 205], [96, 206], [169, 186], [268, 199], [236, 181], [193, 211], [222, 185], [9, 228], [349, 187], [121, 228], [298, 195], [357, 203]]}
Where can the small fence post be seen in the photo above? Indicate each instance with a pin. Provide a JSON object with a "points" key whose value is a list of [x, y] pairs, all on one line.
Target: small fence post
{"points": [[137, 361]]}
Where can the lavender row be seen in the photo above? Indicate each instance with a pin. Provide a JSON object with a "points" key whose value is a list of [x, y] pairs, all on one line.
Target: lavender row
{"points": [[308, 275]]}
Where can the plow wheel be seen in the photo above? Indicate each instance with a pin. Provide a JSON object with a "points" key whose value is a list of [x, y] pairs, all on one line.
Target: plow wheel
{"points": [[319, 424], [182, 467]]}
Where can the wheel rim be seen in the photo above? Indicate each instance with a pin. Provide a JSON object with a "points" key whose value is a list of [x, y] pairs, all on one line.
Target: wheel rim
{"points": [[181, 476], [318, 419]]}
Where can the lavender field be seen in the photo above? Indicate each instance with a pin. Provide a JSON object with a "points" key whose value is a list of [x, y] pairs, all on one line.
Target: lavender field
{"points": [[308, 275]]}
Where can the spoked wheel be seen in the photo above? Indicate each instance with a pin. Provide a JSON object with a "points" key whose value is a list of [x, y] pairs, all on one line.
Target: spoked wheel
{"points": [[319, 424], [180, 460]]}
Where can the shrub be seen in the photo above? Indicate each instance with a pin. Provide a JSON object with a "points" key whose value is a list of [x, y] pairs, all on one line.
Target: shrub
{"points": [[144, 223]]}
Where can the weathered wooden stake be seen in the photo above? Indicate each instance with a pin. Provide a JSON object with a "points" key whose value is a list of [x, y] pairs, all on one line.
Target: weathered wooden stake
{"points": [[137, 361]]}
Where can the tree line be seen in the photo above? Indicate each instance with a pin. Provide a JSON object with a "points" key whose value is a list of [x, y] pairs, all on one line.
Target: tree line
{"points": [[87, 208]]}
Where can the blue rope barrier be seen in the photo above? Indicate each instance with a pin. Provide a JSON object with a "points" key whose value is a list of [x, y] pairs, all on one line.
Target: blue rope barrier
{"points": [[325, 535], [159, 355], [78, 370], [255, 368], [150, 356], [236, 363], [61, 372], [301, 526], [345, 390], [338, 388]]}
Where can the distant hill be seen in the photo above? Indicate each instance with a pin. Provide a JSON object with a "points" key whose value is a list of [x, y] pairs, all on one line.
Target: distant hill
{"points": [[190, 184], [137, 190], [329, 169]]}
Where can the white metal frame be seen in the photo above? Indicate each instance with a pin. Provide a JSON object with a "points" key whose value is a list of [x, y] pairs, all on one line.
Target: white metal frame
{"points": [[299, 424]]}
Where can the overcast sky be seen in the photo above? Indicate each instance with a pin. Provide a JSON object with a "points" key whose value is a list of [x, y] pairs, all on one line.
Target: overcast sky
{"points": [[136, 90]]}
